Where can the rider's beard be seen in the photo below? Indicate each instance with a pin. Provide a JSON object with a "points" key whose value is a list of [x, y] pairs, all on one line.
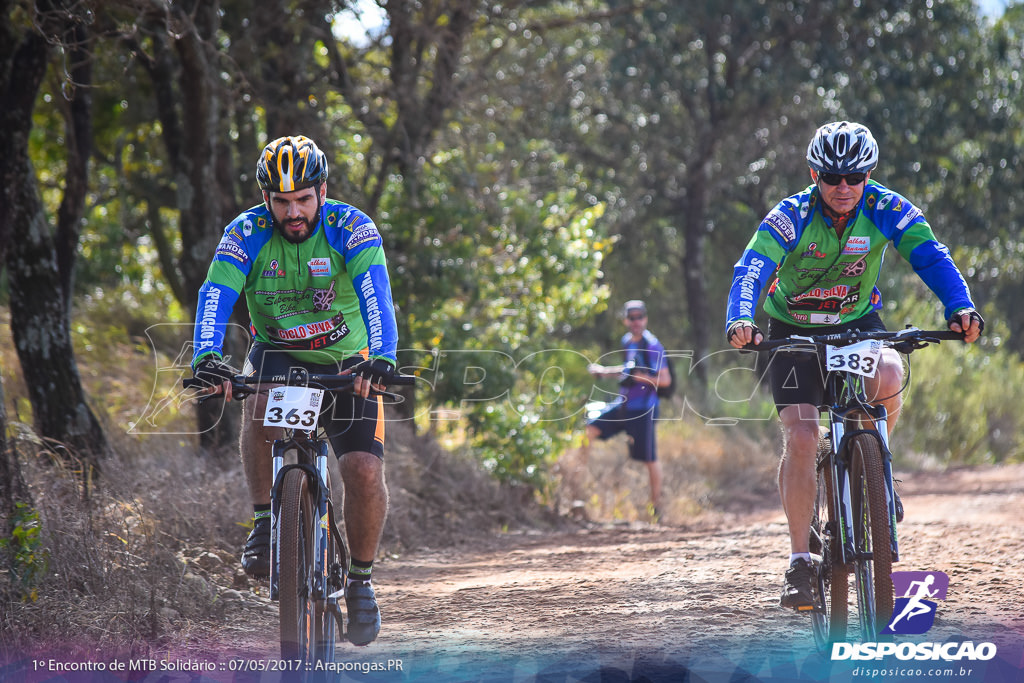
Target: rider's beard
{"points": [[296, 238]]}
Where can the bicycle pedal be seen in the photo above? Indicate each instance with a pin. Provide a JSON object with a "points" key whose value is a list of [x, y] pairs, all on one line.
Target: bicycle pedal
{"points": [[805, 608]]}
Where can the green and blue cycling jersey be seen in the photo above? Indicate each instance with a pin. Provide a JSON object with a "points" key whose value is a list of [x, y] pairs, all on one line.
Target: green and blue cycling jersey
{"points": [[815, 277], [324, 299]]}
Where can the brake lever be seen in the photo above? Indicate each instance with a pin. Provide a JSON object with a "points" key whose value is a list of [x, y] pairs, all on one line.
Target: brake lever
{"points": [[395, 398], [239, 392], [374, 391]]}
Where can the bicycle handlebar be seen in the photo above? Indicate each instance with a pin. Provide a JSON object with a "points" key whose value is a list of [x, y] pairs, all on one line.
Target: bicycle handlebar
{"points": [[243, 385], [904, 341]]}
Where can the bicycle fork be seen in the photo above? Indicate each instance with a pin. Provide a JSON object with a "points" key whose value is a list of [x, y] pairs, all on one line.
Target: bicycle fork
{"points": [[841, 478]]}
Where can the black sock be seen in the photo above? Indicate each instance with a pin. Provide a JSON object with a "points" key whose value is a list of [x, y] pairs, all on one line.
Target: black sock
{"points": [[260, 511], [359, 571]]}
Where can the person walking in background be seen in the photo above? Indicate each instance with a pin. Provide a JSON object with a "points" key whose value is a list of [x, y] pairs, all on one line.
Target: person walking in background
{"points": [[643, 370]]}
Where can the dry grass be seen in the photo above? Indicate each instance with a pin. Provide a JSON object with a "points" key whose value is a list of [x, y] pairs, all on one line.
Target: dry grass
{"points": [[704, 469], [151, 554], [120, 563], [150, 558]]}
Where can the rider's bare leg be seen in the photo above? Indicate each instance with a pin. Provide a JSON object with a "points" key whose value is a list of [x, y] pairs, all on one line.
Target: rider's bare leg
{"points": [[886, 385], [366, 502], [254, 444], [797, 478]]}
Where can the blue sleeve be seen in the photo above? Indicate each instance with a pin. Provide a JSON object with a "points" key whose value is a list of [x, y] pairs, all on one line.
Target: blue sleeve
{"points": [[375, 303], [215, 305], [934, 265], [363, 249], [657, 358], [777, 234], [750, 275], [224, 282], [905, 225]]}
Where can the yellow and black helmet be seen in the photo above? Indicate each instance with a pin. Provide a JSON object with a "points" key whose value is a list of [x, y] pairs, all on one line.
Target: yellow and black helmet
{"points": [[291, 163]]}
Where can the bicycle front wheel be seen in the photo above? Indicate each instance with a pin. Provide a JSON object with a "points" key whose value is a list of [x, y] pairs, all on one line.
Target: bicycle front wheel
{"points": [[872, 538], [296, 543], [828, 621]]}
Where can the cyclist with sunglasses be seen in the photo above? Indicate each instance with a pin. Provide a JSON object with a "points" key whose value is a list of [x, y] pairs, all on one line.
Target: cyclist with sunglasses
{"points": [[819, 254]]}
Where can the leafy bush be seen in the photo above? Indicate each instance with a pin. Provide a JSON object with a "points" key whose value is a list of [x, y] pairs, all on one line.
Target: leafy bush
{"points": [[28, 560], [962, 405]]}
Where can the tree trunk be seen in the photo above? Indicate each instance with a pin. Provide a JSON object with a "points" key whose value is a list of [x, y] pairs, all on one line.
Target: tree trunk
{"points": [[695, 264], [200, 190], [39, 313], [78, 136]]}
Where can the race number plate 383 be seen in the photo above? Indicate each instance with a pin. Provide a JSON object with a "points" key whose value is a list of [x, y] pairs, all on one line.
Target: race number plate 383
{"points": [[860, 358], [293, 407]]}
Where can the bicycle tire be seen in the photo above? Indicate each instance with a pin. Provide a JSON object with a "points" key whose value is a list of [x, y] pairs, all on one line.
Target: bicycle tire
{"points": [[829, 620], [296, 544], [872, 538]]}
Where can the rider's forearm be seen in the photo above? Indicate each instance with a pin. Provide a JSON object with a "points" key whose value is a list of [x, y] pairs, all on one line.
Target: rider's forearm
{"points": [[378, 311], [212, 312], [750, 275], [934, 265]]}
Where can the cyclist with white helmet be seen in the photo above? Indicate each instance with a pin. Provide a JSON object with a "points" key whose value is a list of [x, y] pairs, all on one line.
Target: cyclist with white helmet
{"points": [[818, 254], [316, 287]]}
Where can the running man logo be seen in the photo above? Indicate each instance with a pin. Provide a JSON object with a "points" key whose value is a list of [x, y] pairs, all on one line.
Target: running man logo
{"points": [[914, 609]]}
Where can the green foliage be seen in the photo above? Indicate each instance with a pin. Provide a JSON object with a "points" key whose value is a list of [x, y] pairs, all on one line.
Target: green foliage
{"points": [[498, 259], [962, 406], [28, 560], [520, 434], [664, 129], [510, 445]]}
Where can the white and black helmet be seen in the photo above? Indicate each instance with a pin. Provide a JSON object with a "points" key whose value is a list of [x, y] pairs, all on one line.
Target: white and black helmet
{"points": [[842, 147]]}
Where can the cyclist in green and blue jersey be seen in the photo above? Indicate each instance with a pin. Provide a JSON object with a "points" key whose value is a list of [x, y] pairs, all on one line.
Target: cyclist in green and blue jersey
{"points": [[316, 286], [818, 254]]}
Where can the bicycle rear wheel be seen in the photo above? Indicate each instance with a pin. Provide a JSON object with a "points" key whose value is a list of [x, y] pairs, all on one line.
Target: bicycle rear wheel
{"points": [[296, 543], [828, 620], [872, 537]]}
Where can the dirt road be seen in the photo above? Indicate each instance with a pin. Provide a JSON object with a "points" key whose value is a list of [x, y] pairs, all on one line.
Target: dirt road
{"points": [[657, 602]]}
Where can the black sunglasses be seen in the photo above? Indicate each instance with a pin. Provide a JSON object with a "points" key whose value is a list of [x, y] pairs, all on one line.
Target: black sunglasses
{"points": [[836, 178], [636, 317]]}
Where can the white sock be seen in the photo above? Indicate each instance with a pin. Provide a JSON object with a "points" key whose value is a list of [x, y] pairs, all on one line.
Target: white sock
{"points": [[793, 557]]}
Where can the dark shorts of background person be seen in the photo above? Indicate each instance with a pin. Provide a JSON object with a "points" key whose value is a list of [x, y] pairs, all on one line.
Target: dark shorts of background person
{"points": [[356, 423], [800, 378], [638, 425]]}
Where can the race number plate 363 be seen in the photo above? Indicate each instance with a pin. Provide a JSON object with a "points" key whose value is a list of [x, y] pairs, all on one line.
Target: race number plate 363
{"points": [[860, 358], [294, 407]]}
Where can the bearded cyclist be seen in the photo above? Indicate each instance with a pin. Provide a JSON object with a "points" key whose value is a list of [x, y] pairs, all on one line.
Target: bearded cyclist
{"points": [[819, 254], [316, 286]]}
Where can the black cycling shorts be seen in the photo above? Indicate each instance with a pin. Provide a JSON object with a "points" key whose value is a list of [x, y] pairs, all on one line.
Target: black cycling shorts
{"points": [[354, 423], [800, 377]]}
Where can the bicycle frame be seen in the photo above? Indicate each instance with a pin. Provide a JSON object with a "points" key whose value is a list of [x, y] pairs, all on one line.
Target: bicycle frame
{"points": [[848, 406], [324, 565], [312, 458], [854, 520]]}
